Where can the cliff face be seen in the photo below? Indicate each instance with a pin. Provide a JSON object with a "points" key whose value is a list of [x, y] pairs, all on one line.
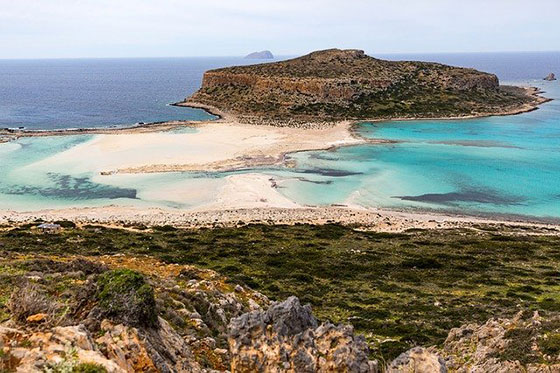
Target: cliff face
{"points": [[338, 84]]}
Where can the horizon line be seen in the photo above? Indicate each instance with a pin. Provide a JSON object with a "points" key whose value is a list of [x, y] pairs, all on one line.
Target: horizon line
{"points": [[275, 56]]}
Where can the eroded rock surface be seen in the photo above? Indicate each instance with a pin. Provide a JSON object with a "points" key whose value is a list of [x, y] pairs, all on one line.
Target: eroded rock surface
{"points": [[121, 314], [418, 359], [287, 338], [347, 84], [66, 313], [505, 345]]}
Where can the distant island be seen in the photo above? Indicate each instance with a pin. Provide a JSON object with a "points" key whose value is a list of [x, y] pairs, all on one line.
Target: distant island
{"points": [[263, 55], [336, 84]]}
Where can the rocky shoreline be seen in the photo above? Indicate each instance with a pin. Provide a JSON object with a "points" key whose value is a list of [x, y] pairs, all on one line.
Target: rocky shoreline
{"points": [[531, 92], [7, 135], [370, 219]]}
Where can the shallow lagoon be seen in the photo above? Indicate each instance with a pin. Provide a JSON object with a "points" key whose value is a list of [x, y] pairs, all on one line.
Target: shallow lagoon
{"points": [[499, 165]]}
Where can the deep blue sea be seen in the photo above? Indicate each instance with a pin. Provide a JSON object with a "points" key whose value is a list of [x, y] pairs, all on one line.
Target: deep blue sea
{"points": [[78, 93], [490, 166]]}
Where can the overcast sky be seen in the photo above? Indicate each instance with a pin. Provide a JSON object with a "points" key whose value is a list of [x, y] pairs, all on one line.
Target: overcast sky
{"points": [[160, 28]]}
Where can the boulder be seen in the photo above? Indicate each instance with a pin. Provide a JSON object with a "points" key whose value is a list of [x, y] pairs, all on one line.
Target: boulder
{"points": [[60, 349], [550, 77], [288, 338], [417, 359]]}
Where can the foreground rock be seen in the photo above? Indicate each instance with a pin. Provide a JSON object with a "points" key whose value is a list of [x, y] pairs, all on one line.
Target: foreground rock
{"points": [[287, 338], [550, 77], [74, 313], [505, 345], [127, 314], [347, 84], [419, 360]]}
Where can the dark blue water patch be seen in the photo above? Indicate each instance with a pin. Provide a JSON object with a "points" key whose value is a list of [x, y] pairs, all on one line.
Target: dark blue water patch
{"points": [[72, 188], [81, 93], [329, 172], [324, 156], [319, 182], [486, 196], [478, 144]]}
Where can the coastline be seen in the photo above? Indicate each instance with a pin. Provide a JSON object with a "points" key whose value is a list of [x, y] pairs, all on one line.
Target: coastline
{"points": [[222, 145], [530, 91], [247, 200], [222, 116]]}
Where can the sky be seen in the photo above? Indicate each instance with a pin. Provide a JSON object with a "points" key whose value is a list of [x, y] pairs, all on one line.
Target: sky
{"points": [[177, 28]]}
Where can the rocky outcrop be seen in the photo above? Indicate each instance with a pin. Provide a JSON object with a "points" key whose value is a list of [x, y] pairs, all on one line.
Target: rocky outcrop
{"points": [[505, 345], [263, 55], [287, 338], [550, 77], [417, 359], [104, 316], [58, 348], [348, 84], [58, 322]]}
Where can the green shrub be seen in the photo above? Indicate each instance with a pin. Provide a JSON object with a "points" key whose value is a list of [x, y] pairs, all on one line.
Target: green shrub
{"points": [[125, 296], [89, 368], [550, 345]]}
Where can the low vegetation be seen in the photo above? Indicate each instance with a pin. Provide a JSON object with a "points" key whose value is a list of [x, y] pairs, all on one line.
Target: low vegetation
{"points": [[347, 84], [125, 296], [399, 290]]}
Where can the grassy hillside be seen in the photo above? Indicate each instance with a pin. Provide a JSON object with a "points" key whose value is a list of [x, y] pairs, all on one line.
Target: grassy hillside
{"points": [[399, 290]]}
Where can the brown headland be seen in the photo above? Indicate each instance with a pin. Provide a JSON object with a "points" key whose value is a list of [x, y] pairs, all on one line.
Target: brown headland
{"points": [[334, 85]]}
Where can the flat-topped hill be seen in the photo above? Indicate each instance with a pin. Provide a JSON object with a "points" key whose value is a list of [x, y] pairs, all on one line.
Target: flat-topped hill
{"points": [[347, 84]]}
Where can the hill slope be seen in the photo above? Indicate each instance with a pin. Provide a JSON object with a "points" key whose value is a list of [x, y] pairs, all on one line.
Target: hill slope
{"points": [[347, 84]]}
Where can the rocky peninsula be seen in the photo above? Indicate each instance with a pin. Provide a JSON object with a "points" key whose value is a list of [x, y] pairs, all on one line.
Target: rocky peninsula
{"points": [[334, 85]]}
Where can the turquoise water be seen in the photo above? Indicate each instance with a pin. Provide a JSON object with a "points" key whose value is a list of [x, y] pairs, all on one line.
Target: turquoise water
{"points": [[24, 187], [500, 165], [489, 166]]}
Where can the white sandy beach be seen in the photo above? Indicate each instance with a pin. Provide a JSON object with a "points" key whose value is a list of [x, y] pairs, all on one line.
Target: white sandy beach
{"points": [[215, 146]]}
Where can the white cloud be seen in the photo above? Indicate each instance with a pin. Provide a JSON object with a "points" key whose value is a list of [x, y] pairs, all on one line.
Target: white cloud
{"points": [[77, 28]]}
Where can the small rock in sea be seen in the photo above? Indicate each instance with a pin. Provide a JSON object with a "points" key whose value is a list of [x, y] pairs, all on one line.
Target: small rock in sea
{"points": [[263, 55], [550, 77]]}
